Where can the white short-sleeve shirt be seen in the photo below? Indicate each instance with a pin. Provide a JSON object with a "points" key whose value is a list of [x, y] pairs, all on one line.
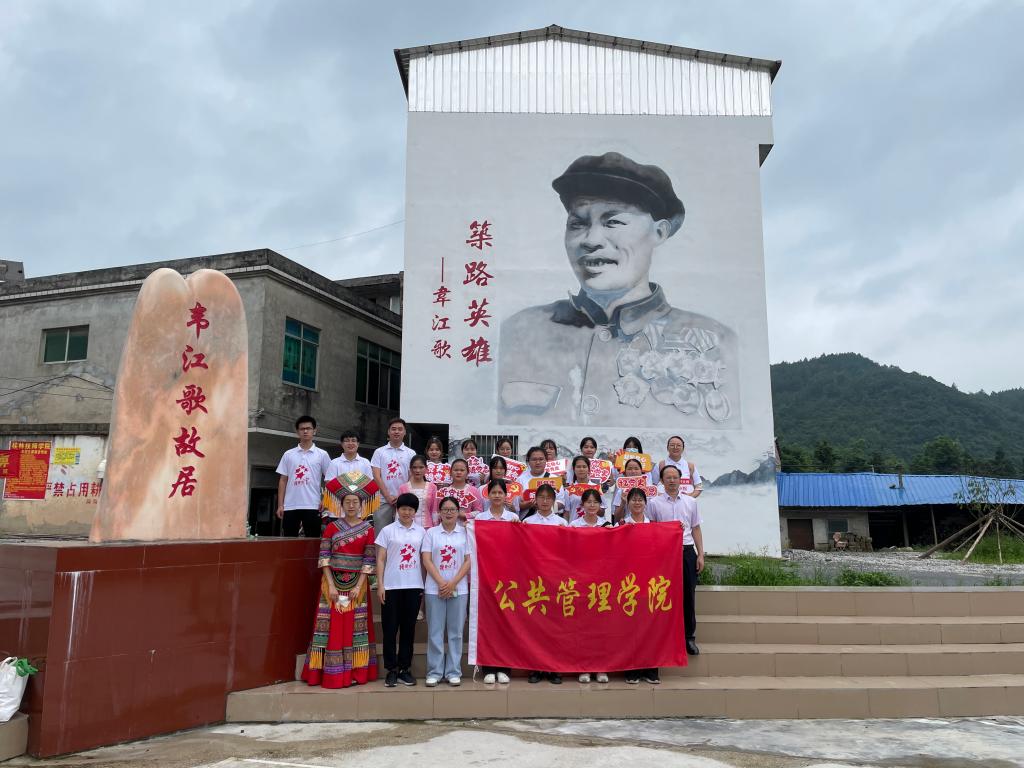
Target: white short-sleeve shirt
{"points": [[552, 519], [581, 522], [628, 519], [448, 551], [342, 466], [687, 483], [393, 464], [305, 471], [402, 569], [663, 509], [507, 516]]}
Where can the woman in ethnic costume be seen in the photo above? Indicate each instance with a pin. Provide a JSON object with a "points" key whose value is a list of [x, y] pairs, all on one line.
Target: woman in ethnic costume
{"points": [[342, 651]]}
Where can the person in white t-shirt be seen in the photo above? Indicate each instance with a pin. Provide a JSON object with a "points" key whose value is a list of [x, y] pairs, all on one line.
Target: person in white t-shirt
{"points": [[590, 506], [691, 483], [399, 588], [498, 511], [544, 509], [676, 506], [544, 504], [589, 510], [301, 474], [580, 473], [636, 514], [390, 465], [447, 593], [536, 459], [632, 468], [350, 460]]}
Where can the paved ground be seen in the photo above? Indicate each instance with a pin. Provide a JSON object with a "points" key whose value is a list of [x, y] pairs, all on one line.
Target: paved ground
{"points": [[931, 572], [964, 743]]}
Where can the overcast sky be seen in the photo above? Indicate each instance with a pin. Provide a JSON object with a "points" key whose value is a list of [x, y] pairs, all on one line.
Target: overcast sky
{"points": [[137, 131]]}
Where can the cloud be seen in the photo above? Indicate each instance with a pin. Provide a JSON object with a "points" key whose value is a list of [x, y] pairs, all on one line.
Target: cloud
{"points": [[136, 132]]}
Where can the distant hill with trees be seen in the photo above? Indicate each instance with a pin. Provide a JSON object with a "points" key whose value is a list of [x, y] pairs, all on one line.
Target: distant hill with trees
{"points": [[846, 413]]}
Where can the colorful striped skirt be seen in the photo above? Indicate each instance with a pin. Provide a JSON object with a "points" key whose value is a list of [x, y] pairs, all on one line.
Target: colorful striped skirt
{"points": [[342, 651]]}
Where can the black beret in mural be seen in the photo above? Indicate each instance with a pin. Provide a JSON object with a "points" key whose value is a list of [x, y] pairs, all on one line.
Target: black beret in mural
{"points": [[616, 176]]}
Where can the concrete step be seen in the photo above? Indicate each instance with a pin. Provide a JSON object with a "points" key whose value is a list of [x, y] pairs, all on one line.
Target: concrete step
{"points": [[777, 660], [14, 736], [860, 630], [861, 601], [841, 630], [753, 697]]}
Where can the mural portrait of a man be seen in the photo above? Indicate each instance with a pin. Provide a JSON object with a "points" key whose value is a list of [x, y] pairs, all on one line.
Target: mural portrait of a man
{"points": [[616, 352]]}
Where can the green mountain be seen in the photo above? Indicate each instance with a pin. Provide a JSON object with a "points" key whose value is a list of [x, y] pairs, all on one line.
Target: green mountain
{"points": [[868, 414]]}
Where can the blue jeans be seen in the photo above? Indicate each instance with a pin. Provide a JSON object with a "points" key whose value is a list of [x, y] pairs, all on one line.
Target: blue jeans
{"points": [[445, 618]]}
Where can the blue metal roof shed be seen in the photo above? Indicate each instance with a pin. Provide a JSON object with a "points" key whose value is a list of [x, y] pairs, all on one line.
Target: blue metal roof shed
{"points": [[868, 489]]}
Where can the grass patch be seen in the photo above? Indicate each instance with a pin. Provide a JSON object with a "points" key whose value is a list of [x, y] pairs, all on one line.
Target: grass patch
{"points": [[988, 552], [763, 571], [851, 578], [760, 572], [998, 581]]}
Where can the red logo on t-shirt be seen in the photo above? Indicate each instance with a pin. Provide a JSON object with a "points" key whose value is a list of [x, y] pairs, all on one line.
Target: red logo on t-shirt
{"points": [[300, 474], [448, 556], [407, 552], [393, 467]]}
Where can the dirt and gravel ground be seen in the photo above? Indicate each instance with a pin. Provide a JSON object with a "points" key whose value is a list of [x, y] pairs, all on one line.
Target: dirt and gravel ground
{"points": [[909, 565], [966, 743]]}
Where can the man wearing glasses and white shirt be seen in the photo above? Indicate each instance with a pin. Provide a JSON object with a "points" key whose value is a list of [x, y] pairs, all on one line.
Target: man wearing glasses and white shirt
{"points": [[670, 506], [301, 474]]}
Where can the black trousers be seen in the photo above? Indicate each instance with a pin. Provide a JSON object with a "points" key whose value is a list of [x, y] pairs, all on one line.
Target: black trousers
{"points": [[690, 590], [398, 620], [310, 519]]}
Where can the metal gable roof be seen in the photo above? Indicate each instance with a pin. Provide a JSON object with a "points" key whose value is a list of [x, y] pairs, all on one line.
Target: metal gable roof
{"points": [[403, 55], [868, 489]]}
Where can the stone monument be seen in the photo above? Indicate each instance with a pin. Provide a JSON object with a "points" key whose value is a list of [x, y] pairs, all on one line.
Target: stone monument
{"points": [[177, 458]]}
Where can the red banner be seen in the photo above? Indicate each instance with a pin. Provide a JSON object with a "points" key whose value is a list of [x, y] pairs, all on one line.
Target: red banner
{"points": [[33, 469], [10, 463], [578, 600]]}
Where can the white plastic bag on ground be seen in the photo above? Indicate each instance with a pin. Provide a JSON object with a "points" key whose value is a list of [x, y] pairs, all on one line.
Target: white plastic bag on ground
{"points": [[12, 688]]}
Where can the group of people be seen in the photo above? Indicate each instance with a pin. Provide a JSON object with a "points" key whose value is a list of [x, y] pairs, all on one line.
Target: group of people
{"points": [[390, 527]]}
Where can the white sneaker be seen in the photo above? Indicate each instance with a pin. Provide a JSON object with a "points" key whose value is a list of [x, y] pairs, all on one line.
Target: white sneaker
{"points": [[503, 678], [431, 682], [585, 677], [602, 677], [489, 678], [455, 680]]}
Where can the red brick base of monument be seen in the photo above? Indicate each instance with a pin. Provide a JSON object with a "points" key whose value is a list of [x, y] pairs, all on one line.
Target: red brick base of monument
{"points": [[138, 639]]}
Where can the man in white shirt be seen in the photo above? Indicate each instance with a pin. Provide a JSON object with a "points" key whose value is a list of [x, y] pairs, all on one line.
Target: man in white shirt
{"points": [[675, 506], [390, 464], [301, 471], [350, 460]]}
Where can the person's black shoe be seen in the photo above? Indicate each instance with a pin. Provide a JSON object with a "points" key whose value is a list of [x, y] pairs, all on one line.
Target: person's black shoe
{"points": [[691, 647], [632, 678], [405, 678], [555, 678], [391, 680], [534, 677], [651, 677]]}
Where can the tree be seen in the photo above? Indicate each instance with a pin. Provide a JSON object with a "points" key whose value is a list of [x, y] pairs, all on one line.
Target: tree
{"points": [[942, 455], [824, 456], [1000, 465], [854, 457], [794, 458]]}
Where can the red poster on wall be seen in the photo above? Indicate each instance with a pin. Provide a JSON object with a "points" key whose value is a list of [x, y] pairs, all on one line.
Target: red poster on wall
{"points": [[33, 468], [578, 600], [10, 463]]}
